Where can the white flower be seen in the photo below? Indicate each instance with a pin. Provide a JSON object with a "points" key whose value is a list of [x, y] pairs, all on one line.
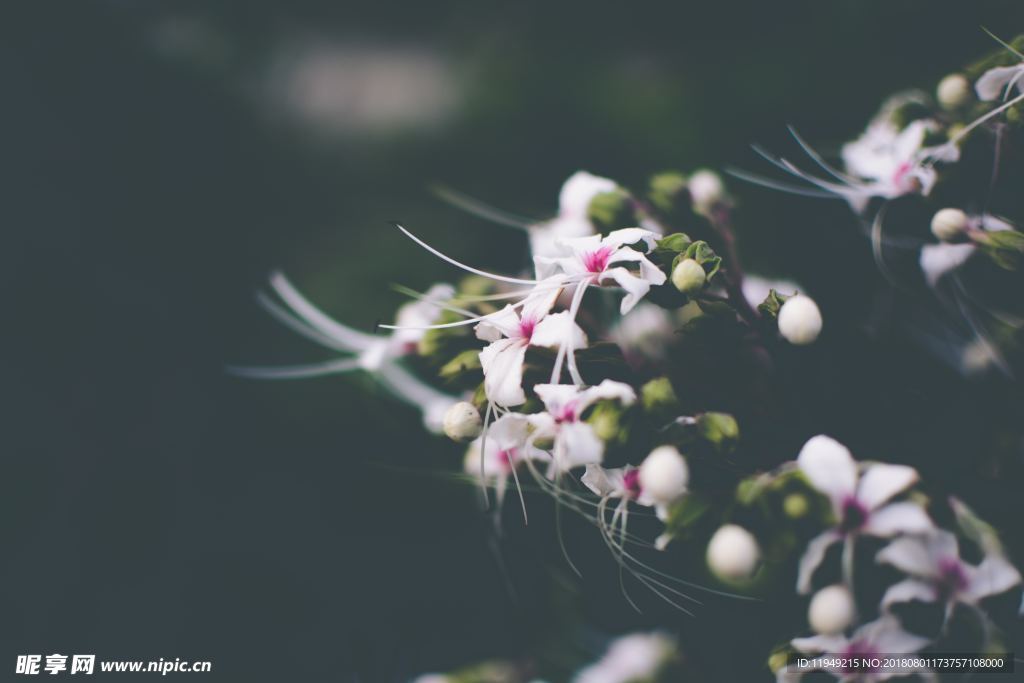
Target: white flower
{"points": [[631, 658], [572, 221], [953, 91], [575, 442], [890, 160], [800, 320], [506, 444], [511, 333], [462, 422], [377, 354], [733, 553], [938, 574], [706, 190], [663, 478], [831, 610], [883, 636], [595, 260], [859, 502]]}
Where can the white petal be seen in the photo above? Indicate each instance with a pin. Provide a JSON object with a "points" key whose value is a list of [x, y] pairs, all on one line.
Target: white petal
{"points": [[993, 576], [907, 518], [504, 322], [556, 330], [556, 396], [539, 302], [579, 190], [812, 557], [992, 83], [579, 445], [604, 482], [502, 363], [508, 431], [910, 555], [907, 591], [881, 482], [607, 390], [820, 644], [886, 635], [636, 288], [829, 467], [626, 236], [938, 259]]}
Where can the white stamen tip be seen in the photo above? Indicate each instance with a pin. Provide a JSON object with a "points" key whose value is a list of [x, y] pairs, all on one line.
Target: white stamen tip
{"points": [[800, 320], [831, 610], [733, 553], [462, 422]]}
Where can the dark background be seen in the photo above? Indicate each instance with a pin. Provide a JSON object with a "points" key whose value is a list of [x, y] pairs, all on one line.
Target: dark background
{"points": [[156, 164]]}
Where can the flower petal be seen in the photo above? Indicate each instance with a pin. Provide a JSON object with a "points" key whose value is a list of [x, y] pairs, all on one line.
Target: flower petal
{"points": [[993, 576], [502, 323], [992, 83], [910, 555], [579, 190], [938, 259], [557, 330], [886, 635], [907, 591], [607, 390], [627, 236], [824, 644], [502, 363], [908, 518], [812, 557], [636, 287], [604, 482], [578, 445], [881, 482], [829, 467]]}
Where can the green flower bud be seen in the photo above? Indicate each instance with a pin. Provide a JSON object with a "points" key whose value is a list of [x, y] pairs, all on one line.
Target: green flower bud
{"points": [[605, 419], [720, 429], [659, 396], [795, 505], [668, 192], [688, 276], [611, 211]]}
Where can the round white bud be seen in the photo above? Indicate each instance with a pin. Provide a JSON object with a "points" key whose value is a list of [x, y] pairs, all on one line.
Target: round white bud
{"points": [[733, 553], [831, 610], [706, 189], [688, 276], [954, 91], [800, 320], [949, 223], [663, 475], [462, 422]]}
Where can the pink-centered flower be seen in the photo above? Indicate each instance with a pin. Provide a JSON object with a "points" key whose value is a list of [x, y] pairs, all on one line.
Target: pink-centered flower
{"points": [[879, 637], [511, 332], [572, 220], [575, 442], [860, 500], [506, 445], [938, 574]]}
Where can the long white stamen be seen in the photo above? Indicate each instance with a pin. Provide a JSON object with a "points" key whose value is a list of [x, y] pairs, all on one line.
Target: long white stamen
{"points": [[977, 122], [779, 186], [813, 154], [574, 310], [481, 209], [297, 371], [463, 266], [288, 320], [316, 318]]}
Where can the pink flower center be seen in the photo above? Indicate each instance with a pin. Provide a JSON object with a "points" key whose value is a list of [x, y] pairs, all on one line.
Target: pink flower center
{"points": [[853, 516], [859, 651], [900, 178], [597, 261], [526, 327], [566, 413], [951, 578], [507, 458], [631, 480]]}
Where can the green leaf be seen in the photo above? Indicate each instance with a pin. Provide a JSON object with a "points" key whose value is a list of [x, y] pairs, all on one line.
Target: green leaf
{"points": [[467, 361]]}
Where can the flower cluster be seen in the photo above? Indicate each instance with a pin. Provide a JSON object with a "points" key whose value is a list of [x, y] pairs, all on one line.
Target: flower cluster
{"points": [[568, 378]]}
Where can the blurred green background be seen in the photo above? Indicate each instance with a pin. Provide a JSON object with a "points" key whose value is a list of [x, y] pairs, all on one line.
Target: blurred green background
{"points": [[160, 158]]}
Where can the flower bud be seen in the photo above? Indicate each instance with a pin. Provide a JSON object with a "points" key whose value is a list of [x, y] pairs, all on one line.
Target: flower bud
{"points": [[954, 91], [669, 194], [706, 189], [800, 320], [949, 224], [462, 422], [733, 553], [657, 395], [664, 475], [795, 505], [611, 211], [831, 610], [688, 276]]}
